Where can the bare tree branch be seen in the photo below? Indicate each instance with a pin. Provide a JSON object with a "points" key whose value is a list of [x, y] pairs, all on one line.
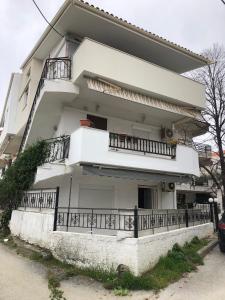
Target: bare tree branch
{"points": [[213, 77]]}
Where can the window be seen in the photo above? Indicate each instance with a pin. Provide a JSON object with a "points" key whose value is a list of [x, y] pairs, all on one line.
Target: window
{"points": [[181, 201], [25, 97], [28, 73], [98, 122]]}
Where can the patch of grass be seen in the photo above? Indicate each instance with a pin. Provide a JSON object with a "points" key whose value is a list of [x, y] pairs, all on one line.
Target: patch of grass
{"points": [[54, 288], [170, 268], [120, 292]]}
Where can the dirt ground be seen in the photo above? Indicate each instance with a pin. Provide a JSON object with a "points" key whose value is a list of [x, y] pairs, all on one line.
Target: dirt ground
{"points": [[23, 279]]}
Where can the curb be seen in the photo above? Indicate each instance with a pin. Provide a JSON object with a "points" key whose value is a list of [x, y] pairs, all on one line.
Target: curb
{"points": [[205, 250]]}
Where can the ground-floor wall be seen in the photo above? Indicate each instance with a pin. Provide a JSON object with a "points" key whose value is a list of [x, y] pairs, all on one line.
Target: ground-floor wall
{"points": [[101, 251], [105, 192]]}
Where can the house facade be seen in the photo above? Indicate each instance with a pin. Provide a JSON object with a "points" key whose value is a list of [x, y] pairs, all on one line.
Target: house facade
{"points": [[119, 119]]}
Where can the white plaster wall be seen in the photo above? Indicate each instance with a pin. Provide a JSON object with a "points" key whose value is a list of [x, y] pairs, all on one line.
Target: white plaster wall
{"points": [[89, 250], [92, 146], [125, 190], [35, 67], [86, 250], [150, 248], [70, 121], [100, 60], [106, 252], [59, 50], [11, 105], [33, 227]]}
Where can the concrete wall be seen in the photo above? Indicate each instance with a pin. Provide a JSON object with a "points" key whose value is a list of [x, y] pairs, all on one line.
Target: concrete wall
{"points": [[33, 226], [97, 59], [86, 250]]}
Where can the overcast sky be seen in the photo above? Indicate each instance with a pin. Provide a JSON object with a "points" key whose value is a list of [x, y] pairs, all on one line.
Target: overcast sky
{"points": [[194, 24]]}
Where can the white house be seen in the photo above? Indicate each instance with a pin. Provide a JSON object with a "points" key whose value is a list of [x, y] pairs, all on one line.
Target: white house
{"points": [[119, 118]]}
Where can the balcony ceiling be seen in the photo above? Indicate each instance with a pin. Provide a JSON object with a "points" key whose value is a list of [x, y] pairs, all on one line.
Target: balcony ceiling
{"points": [[81, 20]]}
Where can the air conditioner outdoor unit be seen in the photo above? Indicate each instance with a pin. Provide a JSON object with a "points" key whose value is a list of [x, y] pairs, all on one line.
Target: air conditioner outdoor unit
{"points": [[168, 186], [166, 133]]}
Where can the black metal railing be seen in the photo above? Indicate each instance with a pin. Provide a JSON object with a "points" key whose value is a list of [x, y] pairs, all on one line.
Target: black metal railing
{"points": [[127, 142], [54, 68], [39, 199], [58, 149], [57, 68], [132, 220], [204, 150], [201, 181]]}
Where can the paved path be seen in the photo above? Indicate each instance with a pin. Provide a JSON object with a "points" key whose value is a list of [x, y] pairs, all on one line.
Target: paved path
{"points": [[208, 283], [20, 278], [23, 279]]}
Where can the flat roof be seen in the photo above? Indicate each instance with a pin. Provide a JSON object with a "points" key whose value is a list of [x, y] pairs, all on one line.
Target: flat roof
{"points": [[81, 19]]}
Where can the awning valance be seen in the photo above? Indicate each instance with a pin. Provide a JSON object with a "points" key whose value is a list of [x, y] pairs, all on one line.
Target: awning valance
{"points": [[133, 174], [112, 90]]}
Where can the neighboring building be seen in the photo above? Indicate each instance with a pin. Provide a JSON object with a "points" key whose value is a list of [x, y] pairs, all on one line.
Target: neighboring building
{"points": [[119, 118], [201, 188]]}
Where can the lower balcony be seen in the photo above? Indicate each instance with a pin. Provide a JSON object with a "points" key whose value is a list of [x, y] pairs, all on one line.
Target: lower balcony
{"points": [[98, 147], [117, 152]]}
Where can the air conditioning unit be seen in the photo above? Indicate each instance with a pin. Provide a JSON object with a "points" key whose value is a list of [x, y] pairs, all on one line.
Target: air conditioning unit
{"points": [[168, 186], [166, 133]]}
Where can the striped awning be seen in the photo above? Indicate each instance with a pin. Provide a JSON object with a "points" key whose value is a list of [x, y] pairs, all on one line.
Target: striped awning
{"points": [[112, 90], [133, 174]]}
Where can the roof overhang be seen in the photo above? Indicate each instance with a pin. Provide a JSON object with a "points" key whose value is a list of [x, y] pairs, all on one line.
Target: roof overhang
{"points": [[79, 19]]}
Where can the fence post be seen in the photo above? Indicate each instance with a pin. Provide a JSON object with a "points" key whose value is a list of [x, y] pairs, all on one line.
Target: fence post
{"points": [[136, 222], [216, 215], [186, 218], [56, 209], [211, 212]]}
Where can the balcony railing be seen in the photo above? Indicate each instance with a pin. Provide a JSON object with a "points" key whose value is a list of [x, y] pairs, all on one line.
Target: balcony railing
{"points": [[202, 181], [204, 150], [58, 149], [39, 199], [131, 220], [126, 142], [54, 68], [57, 68]]}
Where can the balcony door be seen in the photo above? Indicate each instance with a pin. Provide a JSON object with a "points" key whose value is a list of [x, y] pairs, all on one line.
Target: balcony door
{"points": [[147, 198], [98, 122]]}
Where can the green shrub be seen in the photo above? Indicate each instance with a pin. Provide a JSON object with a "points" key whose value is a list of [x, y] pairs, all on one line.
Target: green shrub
{"points": [[18, 178]]}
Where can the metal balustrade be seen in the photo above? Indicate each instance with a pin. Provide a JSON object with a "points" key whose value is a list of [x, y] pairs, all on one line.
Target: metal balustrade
{"points": [[54, 68], [127, 142], [39, 199], [57, 68], [131, 220], [204, 150], [57, 149]]}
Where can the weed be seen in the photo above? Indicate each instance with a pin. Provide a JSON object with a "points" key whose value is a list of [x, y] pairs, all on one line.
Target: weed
{"points": [[120, 291], [55, 292]]}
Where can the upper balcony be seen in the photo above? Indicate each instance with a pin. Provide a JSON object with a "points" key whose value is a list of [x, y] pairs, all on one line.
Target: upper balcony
{"points": [[96, 60]]}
